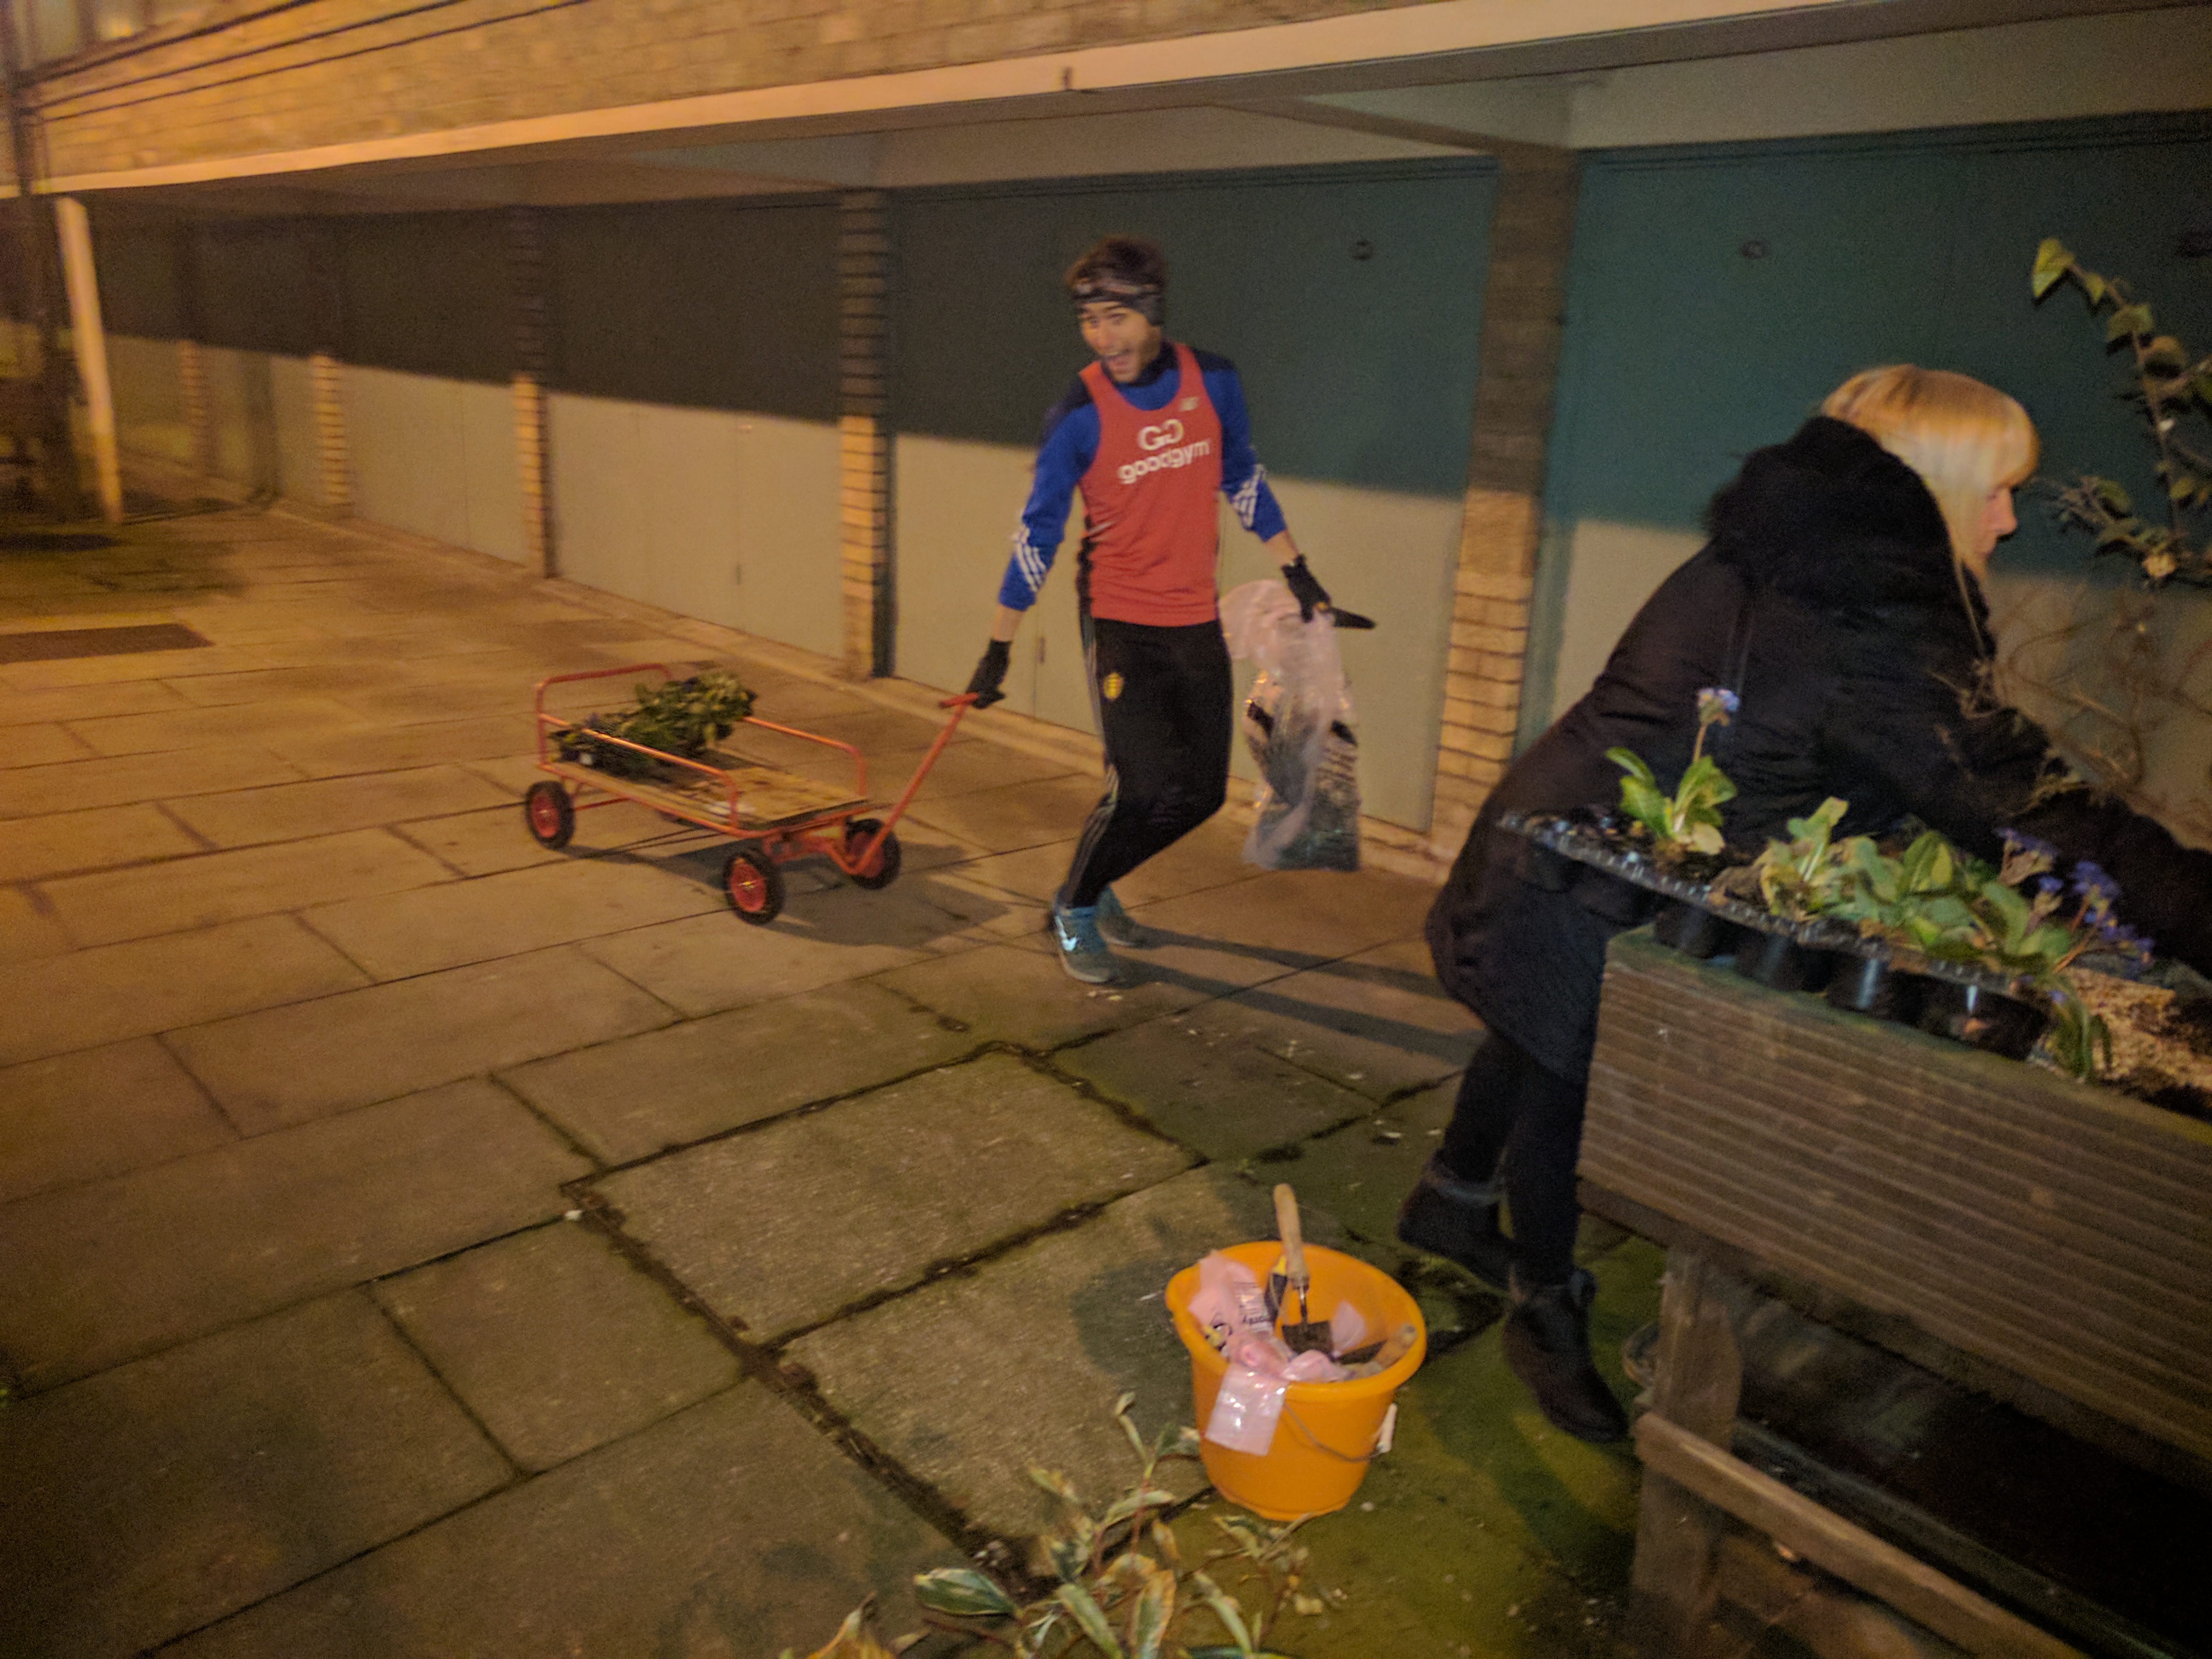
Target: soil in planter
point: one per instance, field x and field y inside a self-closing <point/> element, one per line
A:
<point x="2161" y="1041"/>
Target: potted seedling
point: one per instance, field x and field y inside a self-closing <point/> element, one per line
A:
<point x="676" y="717"/>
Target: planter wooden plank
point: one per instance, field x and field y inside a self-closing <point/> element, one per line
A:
<point x="2058" y="1230"/>
<point x="1829" y="1541"/>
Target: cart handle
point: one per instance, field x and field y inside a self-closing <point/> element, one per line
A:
<point x="959" y="706"/>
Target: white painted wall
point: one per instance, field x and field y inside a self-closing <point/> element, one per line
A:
<point x="1388" y="555"/>
<point x="1612" y="569"/>
<point x="436" y="457"/>
<point x="149" y="399"/>
<point x="729" y="517"/>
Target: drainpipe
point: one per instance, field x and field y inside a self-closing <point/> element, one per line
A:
<point x="82" y="280"/>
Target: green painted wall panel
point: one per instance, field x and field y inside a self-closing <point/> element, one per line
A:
<point x="1356" y="370"/>
<point x="427" y="294"/>
<point x="251" y="290"/>
<point x="712" y="305"/>
<point x="1682" y="354"/>
<point x="139" y="293"/>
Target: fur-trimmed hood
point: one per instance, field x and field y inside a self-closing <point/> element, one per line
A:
<point x="1835" y="520"/>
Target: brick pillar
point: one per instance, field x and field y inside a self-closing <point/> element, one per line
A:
<point x="326" y="375"/>
<point x="192" y="390"/>
<point x="863" y="441"/>
<point x="333" y="459"/>
<point x="525" y="263"/>
<point x="191" y="370"/>
<point x="1524" y="301"/>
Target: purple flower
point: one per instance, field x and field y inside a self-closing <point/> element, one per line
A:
<point x="2048" y="886"/>
<point x="2093" y="885"/>
<point x="2016" y="842"/>
<point x="1717" y="698"/>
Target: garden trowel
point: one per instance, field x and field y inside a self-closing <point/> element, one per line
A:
<point x="1289" y="1275"/>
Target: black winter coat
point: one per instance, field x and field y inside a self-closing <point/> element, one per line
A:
<point x="1828" y="599"/>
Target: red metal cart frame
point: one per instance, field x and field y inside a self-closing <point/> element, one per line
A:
<point x="775" y="817"/>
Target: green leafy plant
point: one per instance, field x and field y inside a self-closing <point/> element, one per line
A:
<point x="676" y="717"/>
<point x="1124" y="1589"/>
<point x="1933" y="899"/>
<point x="2175" y="392"/>
<point x="1806" y="874"/>
<point x="1689" y="820"/>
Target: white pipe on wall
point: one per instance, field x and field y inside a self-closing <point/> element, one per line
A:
<point x="83" y="282"/>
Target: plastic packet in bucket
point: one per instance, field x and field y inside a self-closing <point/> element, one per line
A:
<point x="1232" y="1309"/>
<point x="1298" y="722"/>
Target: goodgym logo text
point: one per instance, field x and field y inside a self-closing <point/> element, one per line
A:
<point x="1164" y="446"/>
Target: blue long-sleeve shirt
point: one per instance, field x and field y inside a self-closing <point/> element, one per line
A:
<point x="1071" y="444"/>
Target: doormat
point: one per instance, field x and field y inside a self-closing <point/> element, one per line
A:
<point x="54" y="541"/>
<point x="65" y="644"/>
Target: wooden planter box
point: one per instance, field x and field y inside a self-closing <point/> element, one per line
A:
<point x="2060" y="1231"/>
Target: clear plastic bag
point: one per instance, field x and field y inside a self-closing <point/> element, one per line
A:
<point x="1298" y="724"/>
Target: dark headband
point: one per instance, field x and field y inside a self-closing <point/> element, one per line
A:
<point x="1103" y="288"/>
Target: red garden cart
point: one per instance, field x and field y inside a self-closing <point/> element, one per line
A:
<point x="775" y="816"/>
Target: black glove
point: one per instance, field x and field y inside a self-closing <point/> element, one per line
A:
<point x="1312" y="596"/>
<point x="990" y="673"/>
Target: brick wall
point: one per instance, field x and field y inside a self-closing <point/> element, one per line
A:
<point x="330" y="72"/>
<point x="1523" y="312"/>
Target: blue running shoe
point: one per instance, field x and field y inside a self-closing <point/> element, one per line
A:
<point x="1118" y="926"/>
<point x="1082" y="953"/>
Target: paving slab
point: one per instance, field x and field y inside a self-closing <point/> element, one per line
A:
<point x="253" y="685"/>
<point x="486" y="738"/>
<point x="1211" y="856"/>
<point x="160" y="1496"/>
<point x="404" y="934"/>
<point x="227" y="886"/>
<point x="731" y="1531"/>
<point x="1221" y="1094"/>
<point x="1363" y="1171"/>
<point x="967" y="766"/>
<point x="41" y="745"/>
<point x="1015" y="816"/>
<point x="93" y="839"/>
<point x="492" y="839"/>
<point x="1018" y="993"/>
<point x="290" y="811"/>
<point x="290" y="1064"/>
<point x="968" y="1380"/>
<point x="103" y="1272"/>
<point x="34" y="790"/>
<point x="100" y="1112"/>
<point x="1490" y="1531"/>
<point x="555" y="1342"/>
<point x="28" y="929"/>
<point x="53" y="1005"/>
<point x="203" y="728"/>
<point x="1377" y="1023"/>
<point x="826" y="935"/>
<point x="638" y="1095"/>
<point x="779" y="1228"/>
<point x="77" y="702"/>
<point x="1302" y="917"/>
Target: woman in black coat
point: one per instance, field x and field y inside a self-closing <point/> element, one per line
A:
<point x="1840" y="598"/>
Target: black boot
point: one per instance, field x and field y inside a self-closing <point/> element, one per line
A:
<point x="1457" y="1220"/>
<point x="1548" y="1345"/>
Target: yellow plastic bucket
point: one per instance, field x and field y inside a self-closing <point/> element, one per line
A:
<point x="1328" y="1431"/>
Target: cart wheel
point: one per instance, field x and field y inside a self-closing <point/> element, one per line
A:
<point x="857" y="832"/>
<point x="549" y="814"/>
<point x="754" y="886"/>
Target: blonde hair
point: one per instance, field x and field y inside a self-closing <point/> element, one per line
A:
<point x="1963" y="438"/>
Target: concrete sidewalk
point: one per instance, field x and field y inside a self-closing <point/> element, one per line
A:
<point x="418" y="1242"/>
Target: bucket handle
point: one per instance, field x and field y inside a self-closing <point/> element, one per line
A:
<point x="1382" y="1437"/>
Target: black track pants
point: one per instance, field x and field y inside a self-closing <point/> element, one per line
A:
<point x="1162" y="698"/>
<point x="1512" y="1108"/>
